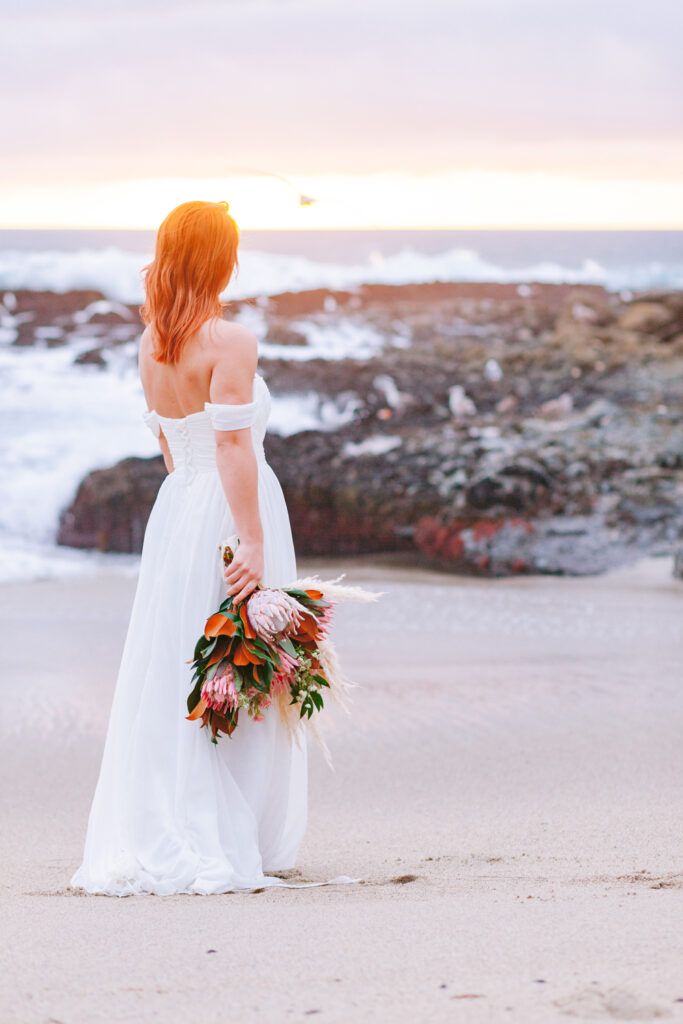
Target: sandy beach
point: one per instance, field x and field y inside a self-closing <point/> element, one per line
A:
<point x="508" y="787"/>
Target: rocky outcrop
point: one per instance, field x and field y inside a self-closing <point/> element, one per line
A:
<point x="497" y="429"/>
<point x="61" y="318"/>
<point x="112" y="506"/>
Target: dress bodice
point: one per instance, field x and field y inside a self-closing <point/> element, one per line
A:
<point x="191" y="439"/>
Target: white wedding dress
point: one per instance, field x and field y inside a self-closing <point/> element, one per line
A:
<point x="173" y="812"/>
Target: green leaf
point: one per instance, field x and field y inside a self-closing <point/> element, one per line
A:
<point x="317" y="699"/>
<point x="262" y="645"/>
<point x="199" y="648"/>
<point x="258" y="684"/>
<point x="264" y="675"/>
<point x="287" y="646"/>
<point x="211" y="672"/>
<point x="194" y="697"/>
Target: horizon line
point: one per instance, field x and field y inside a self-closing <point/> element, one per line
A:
<point x="312" y="229"/>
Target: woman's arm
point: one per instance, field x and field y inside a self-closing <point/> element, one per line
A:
<point x="232" y="383"/>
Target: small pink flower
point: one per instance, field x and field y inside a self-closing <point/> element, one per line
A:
<point x="280" y="683"/>
<point x="282" y="679"/>
<point x="289" y="664"/>
<point x="220" y="692"/>
<point x="257" y="712"/>
<point x="326" y="618"/>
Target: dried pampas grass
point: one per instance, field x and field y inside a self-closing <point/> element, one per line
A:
<point x="340" y="685"/>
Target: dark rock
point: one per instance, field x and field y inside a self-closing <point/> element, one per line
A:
<point x="678" y="564"/>
<point x="48" y="309"/>
<point x="334" y="506"/>
<point x="93" y="357"/>
<point x="297" y="304"/>
<point x="112" y="506"/>
<point x="112" y="318"/>
<point x="523" y="485"/>
<point x="281" y="335"/>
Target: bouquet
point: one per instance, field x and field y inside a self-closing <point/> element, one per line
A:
<point x="272" y="647"/>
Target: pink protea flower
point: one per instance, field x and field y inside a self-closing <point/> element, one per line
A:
<point x="272" y="613"/>
<point x="283" y="678"/>
<point x="325" y="619"/>
<point x="288" y="663"/>
<point x="220" y="692"/>
<point x="280" y="683"/>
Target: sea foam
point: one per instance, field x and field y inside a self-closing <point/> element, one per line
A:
<point x="116" y="272"/>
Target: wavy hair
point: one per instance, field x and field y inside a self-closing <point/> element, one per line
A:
<point x="194" y="258"/>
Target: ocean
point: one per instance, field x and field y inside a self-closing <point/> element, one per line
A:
<point x="59" y="420"/>
<point x="276" y="261"/>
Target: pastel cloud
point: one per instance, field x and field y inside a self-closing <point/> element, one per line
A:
<point x="149" y="89"/>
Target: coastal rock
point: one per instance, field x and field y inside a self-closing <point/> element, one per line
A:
<point x="112" y="506"/>
<point x="489" y="428"/>
<point x="557" y="408"/>
<point x="507" y="405"/>
<point x="678" y="564"/>
<point x="522" y="485"/>
<point x="646" y="317"/>
<point x="91" y="357"/>
<point x="282" y="335"/>
<point x="579" y="546"/>
<point x="338" y="505"/>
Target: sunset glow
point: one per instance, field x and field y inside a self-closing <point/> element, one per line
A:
<point x="476" y="199"/>
<point x="449" y="114"/>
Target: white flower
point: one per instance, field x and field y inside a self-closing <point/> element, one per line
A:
<point x="272" y="613"/>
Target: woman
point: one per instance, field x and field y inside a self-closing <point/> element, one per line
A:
<point x="172" y="812"/>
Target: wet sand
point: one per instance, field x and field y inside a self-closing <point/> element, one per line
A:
<point x="509" y="787"/>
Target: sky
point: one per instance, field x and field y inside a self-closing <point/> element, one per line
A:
<point x="437" y="113"/>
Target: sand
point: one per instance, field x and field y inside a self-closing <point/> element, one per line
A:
<point x="508" y="787"/>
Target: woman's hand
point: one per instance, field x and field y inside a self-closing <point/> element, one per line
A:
<point x="245" y="571"/>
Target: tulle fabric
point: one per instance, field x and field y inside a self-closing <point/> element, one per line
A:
<point x="172" y="812"/>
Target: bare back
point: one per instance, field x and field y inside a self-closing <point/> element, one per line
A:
<point x="216" y="365"/>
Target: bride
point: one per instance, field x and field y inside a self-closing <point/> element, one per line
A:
<point x="172" y="812"/>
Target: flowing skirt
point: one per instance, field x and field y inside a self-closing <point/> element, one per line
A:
<point x="173" y="812"/>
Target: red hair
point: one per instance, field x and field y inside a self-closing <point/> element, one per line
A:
<point x="194" y="258"/>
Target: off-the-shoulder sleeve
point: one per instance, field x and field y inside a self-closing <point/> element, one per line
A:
<point x="231" y="417"/>
<point x="152" y="421"/>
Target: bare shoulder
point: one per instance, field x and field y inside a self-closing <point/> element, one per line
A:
<point x="234" y="356"/>
<point x="230" y="339"/>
